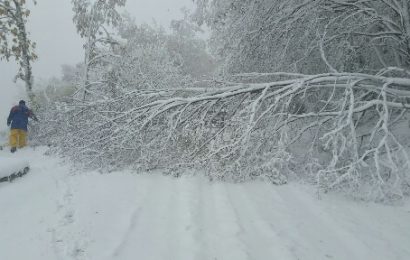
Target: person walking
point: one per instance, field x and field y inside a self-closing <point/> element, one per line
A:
<point x="18" y="120"/>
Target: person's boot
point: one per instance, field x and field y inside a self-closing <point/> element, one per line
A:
<point x="13" y="149"/>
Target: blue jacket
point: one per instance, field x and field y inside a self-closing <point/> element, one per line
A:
<point x="18" y="117"/>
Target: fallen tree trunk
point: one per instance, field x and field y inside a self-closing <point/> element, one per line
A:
<point x="12" y="168"/>
<point x="15" y="175"/>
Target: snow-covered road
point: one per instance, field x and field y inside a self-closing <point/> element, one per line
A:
<point x="53" y="214"/>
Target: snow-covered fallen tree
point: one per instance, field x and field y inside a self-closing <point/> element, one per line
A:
<point x="340" y="130"/>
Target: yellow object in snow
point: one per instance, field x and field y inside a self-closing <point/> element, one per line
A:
<point x="18" y="138"/>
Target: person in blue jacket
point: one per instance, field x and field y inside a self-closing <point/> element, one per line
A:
<point x="18" y="120"/>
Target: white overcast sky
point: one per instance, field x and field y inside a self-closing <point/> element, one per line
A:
<point x="51" y="27"/>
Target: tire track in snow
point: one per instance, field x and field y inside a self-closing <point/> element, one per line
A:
<point x="199" y="212"/>
<point x="221" y="227"/>
<point x="299" y="215"/>
<point x="147" y="237"/>
<point x="54" y="240"/>
<point x="280" y="216"/>
<point x="262" y="241"/>
<point x="356" y="245"/>
<point x="133" y="222"/>
<point x="66" y="237"/>
<point x="183" y="219"/>
<point x="314" y="216"/>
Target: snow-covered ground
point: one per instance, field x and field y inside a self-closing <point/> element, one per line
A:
<point x="54" y="214"/>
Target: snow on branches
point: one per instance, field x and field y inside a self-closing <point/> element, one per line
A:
<point x="293" y="35"/>
<point x="341" y="130"/>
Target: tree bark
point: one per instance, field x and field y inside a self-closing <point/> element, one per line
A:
<point x="26" y="58"/>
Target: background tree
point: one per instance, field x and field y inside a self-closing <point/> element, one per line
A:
<point x="377" y="32"/>
<point x="308" y="36"/>
<point x="190" y="51"/>
<point x="15" y="41"/>
<point x="93" y="20"/>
